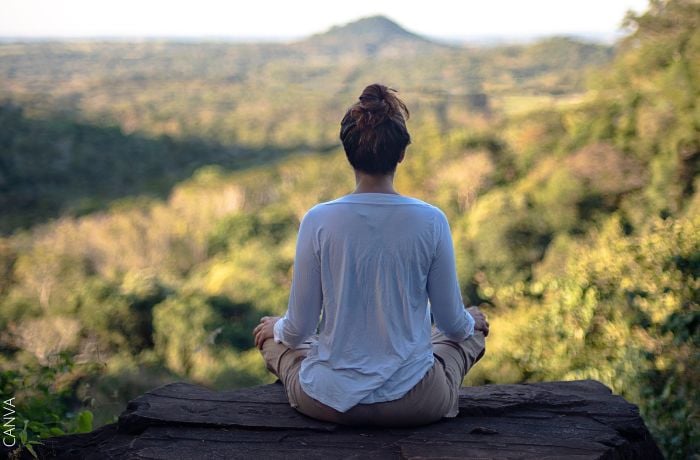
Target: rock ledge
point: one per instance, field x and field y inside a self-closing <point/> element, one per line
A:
<point x="576" y="419"/>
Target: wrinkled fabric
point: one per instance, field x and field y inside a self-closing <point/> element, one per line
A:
<point x="434" y="397"/>
<point x="369" y="270"/>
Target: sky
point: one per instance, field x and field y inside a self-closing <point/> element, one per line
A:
<point x="288" y="20"/>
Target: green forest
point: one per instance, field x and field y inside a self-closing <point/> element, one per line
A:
<point x="151" y="192"/>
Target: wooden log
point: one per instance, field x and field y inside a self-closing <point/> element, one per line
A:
<point x="577" y="420"/>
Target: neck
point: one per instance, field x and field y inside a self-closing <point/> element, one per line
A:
<point x="367" y="183"/>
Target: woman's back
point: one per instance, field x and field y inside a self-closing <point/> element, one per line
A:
<point x="373" y="259"/>
<point x="366" y="266"/>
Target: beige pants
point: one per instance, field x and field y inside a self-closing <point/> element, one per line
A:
<point x="434" y="397"/>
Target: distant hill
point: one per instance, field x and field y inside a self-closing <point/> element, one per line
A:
<point x="371" y="36"/>
<point x="104" y="120"/>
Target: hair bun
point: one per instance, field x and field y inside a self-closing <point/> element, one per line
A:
<point x="373" y="130"/>
<point x="376" y="104"/>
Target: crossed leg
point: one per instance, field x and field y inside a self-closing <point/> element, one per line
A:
<point x="434" y="397"/>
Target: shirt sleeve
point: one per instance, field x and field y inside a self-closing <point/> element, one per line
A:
<point x="305" y="298"/>
<point x="444" y="294"/>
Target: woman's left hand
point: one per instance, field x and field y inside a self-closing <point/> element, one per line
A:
<point x="265" y="330"/>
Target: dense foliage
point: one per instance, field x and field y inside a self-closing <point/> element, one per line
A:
<point x="111" y="120"/>
<point x="178" y="178"/>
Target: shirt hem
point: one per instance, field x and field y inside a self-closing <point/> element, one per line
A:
<point x="379" y="399"/>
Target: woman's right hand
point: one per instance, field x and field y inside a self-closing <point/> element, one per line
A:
<point x="481" y="324"/>
<point x="265" y="330"/>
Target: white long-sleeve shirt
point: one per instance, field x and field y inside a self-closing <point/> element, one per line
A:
<point x="366" y="266"/>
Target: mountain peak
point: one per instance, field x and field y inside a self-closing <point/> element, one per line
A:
<point x="369" y="34"/>
<point x="371" y="25"/>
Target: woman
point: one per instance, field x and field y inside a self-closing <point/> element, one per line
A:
<point x="366" y="266"/>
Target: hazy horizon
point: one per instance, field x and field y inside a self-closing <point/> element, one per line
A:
<point x="474" y="40"/>
<point x="212" y="20"/>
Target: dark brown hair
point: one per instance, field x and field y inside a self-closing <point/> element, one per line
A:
<point x="373" y="130"/>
